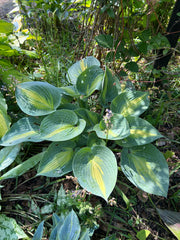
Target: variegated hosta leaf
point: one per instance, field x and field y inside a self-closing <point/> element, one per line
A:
<point x="39" y="232"/>
<point x="8" y="155"/>
<point x="70" y="91"/>
<point x="141" y="133"/>
<point x="58" y="160"/>
<point x="77" y="68"/>
<point x="111" y="88"/>
<point x="61" y="125"/>
<point x="24" y="130"/>
<point x="130" y="103"/>
<point x="90" y="80"/>
<point x="172" y="221"/>
<point x="23" y="167"/>
<point x="116" y="128"/>
<point x="37" y="98"/>
<point x="146" y="167"/>
<point x="70" y="228"/>
<point x="4" y="118"/>
<point x="96" y="170"/>
<point x="91" y="118"/>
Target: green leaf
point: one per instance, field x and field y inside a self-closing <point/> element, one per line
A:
<point x="6" y="27"/>
<point x="132" y="66"/>
<point x="25" y="130"/>
<point x="141" y="133"/>
<point x="146" y="167"/>
<point x="9" y="229"/>
<point x="37" y="98"/>
<point x="130" y="103"/>
<point x="23" y="167"/>
<point x="10" y="76"/>
<point x="143" y="234"/>
<point x="71" y="228"/>
<point x="57" y="161"/>
<point x="91" y="118"/>
<point x="4" y="118"/>
<point x="96" y="170"/>
<point x="118" y="128"/>
<point x="39" y="232"/>
<point x="61" y="125"/>
<point x="70" y="91"/>
<point x="111" y="88"/>
<point x="104" y="40"/>
<point x="93" y="139"/>
<point x="142" y="47"/>
<point x="77" y="68"/>
<point x="90" y="80"/>
<point x="171" y="220"/>
<point x="8" y="155"/>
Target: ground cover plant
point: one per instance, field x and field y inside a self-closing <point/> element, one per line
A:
<point x="79" y="143"/>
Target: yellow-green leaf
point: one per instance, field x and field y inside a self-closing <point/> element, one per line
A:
<point x="130" y="103"/>
<point x="141" y="133"/>
<point x="58" y="160"/>
<point x="146" y="167"/>
<point x="96" y="170"/>
<point x="37" y="98"/>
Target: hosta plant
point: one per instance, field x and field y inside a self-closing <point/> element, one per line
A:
<point x="83" y="123"/>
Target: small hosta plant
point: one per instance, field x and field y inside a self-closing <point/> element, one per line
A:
<point x="82" y="122"/>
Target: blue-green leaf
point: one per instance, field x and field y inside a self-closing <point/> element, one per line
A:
<point x="96" y="170"/>
<point x="114" y="128"/>
<point x="146" y="167"/>
<point x="39" y="232"/>
<point x="23" y="167"/>
<point x="25" y="130"/>
<point x="58" y="160"/>
<point x="77" y="68"/>
<point x="37" y="98"/>
<point x="8" y="155"/>
<point x="71" y="228"/>
<point x="61" y="125"/>
<point x="91" y="118"/>
<point x="111" y="88"/>
<point x="141" y="133"/>
<point x="90" y="80"/>
<point x="171" y="220"/>
<point x="130" y="103"/>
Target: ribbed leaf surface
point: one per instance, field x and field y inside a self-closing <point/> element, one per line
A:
<point x="130" y="103"/>
<point x="146" y="167"/>
<point x="118" y="128"/>
<point x="8" y="155"/>
<point x="57" y="161"/>
<point x="77" y="68"/>
<point x="37" y="98"/>
<point x="90" y="80"/>
<point x="61" y="125"/>
<point x="96" y="170"/>
<point x="141" y="133"/>
<point x="24" y="130"/>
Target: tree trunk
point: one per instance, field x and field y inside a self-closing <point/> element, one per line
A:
<point x="173" y="33"/>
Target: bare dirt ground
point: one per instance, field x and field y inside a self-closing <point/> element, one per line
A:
<point x="5" y="7"/>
